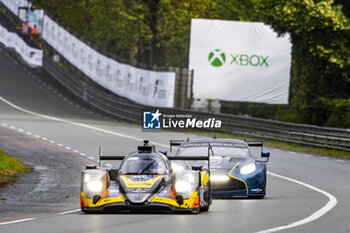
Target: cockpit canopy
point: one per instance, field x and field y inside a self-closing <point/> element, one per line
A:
<point x="143" y="164"/>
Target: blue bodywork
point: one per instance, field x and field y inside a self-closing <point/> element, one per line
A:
<point x="252" y="184"/>
<point x="255" y="182"/>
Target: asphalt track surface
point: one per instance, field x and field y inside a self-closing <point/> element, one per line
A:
<point x="56" y="134"/>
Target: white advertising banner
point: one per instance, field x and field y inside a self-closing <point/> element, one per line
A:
<point x="13" y="5"/>
<point x="239" y="61"/>
<point x="147" y="87"/>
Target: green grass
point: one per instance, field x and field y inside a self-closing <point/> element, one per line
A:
<point x="277" y="144"/>
<point x="9" y="167"/>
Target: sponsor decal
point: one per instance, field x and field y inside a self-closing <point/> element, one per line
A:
<point x="157" y="120"/>
<point x="217" y="58"/>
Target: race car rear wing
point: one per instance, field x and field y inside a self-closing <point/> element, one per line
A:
<point x="263" y="154"/>
<point x="175" y="143"/>
<point x="120" y="157"/>
<point x="188" y="157"/>
<point x="255" y="144"/>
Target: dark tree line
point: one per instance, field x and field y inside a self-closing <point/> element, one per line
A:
<point x="156" y="32"/>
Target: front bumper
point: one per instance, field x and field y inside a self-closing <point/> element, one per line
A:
<point x="240" y="185"/>
<point x="147" y="207"/>
<point x="156" y="203"/>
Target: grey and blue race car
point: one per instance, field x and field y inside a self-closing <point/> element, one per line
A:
<point x="234" y="170"/>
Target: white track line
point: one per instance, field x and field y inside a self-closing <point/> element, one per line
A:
<point x="17" y="221"/>
<point x="69" y="212"/>
<point x="51" y="141"/>
<point x="77" y="123"/>
<point x="330" y="204"/>
<point x="332" y="201"/>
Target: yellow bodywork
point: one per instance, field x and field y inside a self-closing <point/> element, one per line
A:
<point x="88" y="202"/>
<point x="191" y="202"/>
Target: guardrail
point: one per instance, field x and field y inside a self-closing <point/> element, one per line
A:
<point x="309" y="135"/>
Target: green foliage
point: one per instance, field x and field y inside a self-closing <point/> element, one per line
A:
<point x="320" y="33"/>
<point x="323" y="27"/>
<point x="8" y="167"/>
<point x="174" y="26"/>
<point x="157" y="32"/>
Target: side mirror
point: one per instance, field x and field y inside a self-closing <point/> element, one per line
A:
<point x="197" y="168"/>
<point x="164" y="152"/>
<point x="265" y="154"/>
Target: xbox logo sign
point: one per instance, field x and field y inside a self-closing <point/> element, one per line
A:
<point x="217" y="58"/>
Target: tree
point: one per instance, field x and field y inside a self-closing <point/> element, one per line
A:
<point x="320" y="33"/>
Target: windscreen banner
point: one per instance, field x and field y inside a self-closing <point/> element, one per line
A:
<point x="239" y="61"/>
<point x="153" y="88"/>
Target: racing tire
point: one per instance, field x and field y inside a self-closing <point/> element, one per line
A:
<point x="195" y="210"/>
<point x="257" y="196"/>
<point x="205" y="208"/>
<point x="208" y="199"/>
<point x="86" y="211"/>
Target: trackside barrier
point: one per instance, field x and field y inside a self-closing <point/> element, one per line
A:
<point x="11" y="38"/>
<point x="31" y="55"/>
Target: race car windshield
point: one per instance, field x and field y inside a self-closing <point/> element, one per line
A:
<point x="219" y="149"/>
<point x="143" y="165"/>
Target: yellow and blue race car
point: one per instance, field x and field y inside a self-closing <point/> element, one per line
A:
<point x="145" y="180"/>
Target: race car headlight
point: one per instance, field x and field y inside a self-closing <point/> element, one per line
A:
<point x="182" y="186"/>
<point x="248" y="168"/>
<point x="93" y="183"/>
<point x="186" y="185"/>
<point x="95" y="186"/>
<point x="219" y="178"/>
